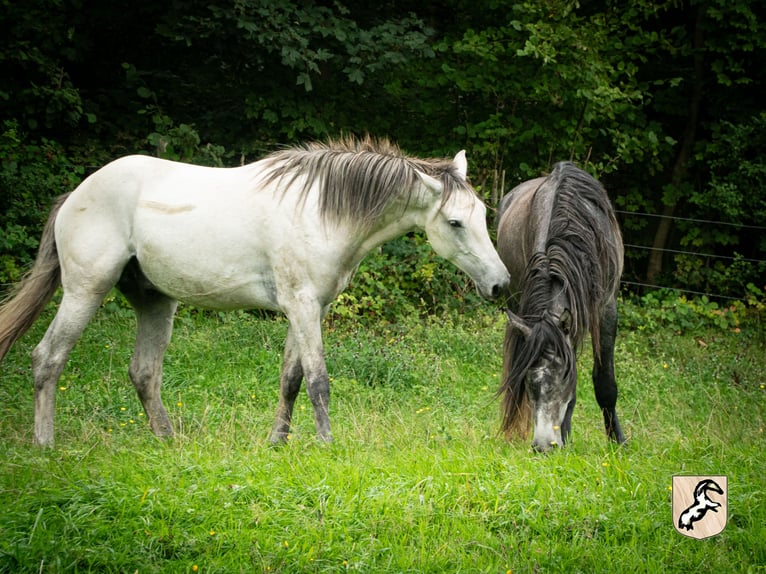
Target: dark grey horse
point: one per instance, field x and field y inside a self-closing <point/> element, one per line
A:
<point x="559" y="239"/>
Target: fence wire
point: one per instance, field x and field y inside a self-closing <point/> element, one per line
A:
<point x="689" y="253"/>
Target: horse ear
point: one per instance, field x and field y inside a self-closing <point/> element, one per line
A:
<point x="519" y="323"/>
<point x="430" y="182"/>
<point x="462" y="164"/>
<point x="565" y="321"/>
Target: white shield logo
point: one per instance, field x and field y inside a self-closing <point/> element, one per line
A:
<point x="700" y="505"/>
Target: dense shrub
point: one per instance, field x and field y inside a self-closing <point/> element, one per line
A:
<point x="31" y="175"/>
<point x="670" y="310"/>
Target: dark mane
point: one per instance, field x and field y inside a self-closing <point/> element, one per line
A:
<point x="357" y="177"/>
<point x="583" y="261"/>
<point x="584" y="246"/>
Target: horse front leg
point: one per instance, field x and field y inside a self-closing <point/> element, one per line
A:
<point x="289" y="386"/>
<point x="304" y="355"/>
<point x="604" y="383"/>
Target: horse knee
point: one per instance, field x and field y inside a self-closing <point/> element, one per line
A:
<point x="605" y="387"/>
<point x="140" y="379"/>
<point x="46" y="368"/>
<point x="319" y="391"/>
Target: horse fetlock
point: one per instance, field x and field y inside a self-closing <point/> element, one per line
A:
<point x="44" y="432"/>
<point x="325" y="436"/>
<point x="280" y="432"/>
<point x="161" y="427"/>
<point x="613" y="428"/>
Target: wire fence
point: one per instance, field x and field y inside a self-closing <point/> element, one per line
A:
<point x="645" y="248"/>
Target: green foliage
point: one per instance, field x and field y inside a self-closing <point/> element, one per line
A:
<point x="300" y="71"/>
<point x="544" y="82"/>
<point x="405" y="277"/>
<point x="36" y="86"/>
<point x="736" y="166"/>
<point x="519" y="86"/>
<point x="667" y="310"/>
<point x="32" y="174"/>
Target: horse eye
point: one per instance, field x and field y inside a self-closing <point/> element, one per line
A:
<point x="457" y="224"/>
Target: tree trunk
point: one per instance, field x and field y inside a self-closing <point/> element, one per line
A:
<point x="654" y="267"/>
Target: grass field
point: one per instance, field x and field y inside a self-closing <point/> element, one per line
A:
<point x="417" y="480"/>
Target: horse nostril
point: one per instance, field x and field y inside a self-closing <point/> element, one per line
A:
<point x="495" y="291"/>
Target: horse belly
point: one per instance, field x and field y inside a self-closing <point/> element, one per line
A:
<point x="217" y="267"/>
<point x="211" y="287"/>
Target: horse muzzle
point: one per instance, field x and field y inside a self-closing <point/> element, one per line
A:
<point x="547" y="435"/>
<point x="494" y="288"/>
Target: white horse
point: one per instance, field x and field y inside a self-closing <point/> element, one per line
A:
<point x="285" y="233"/>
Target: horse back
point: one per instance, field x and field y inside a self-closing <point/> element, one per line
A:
<point x="517" y="229"/>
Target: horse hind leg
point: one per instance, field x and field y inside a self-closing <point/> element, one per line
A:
<point x="604" y="383"/>
<point x="50" y="356"/>
<point x="154" y="314"/>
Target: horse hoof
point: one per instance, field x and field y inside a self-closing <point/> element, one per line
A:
<point x="621" y="441"/>
<point x="163" y="431"/>
<point x="278" y="438"/>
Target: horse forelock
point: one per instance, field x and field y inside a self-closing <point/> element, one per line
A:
<point x="521" y="354"/>
<point x="357" y="178"/>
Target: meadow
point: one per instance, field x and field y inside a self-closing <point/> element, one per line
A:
<point x="418" y="478"/>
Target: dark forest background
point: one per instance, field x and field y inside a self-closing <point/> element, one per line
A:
<point x="661" y="100"/>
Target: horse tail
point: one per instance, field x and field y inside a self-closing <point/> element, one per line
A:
<point x="27" y="300"/>
<point x="515" y="404"/>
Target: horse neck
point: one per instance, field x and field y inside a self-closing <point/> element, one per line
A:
<point x="399" y="219"/>
<point x="542" y="209"/>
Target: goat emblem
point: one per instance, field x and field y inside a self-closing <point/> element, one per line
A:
<point x="695" y="513"/>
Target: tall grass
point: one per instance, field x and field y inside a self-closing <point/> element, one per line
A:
<point x="417" y="480"/>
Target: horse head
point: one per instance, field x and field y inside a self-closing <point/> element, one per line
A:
<point x="542" y="375"/>
<point x="456" y="226"/>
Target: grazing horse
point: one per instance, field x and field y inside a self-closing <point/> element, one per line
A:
<point x="559" y="238"/>
<point x="284" y="233"/>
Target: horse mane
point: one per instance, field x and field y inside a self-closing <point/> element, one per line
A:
<point x="584" y="247"/>
<point x="357" y="176"/>
<point x="583" y="258"/>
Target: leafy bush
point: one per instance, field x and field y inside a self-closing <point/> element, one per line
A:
<point x="666" y="309"/>
<point x="404" y="277"/>
<point x="31" y="175"/>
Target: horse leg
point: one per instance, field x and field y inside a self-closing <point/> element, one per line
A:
<point x="289" y="385"/>
<point x="154" y="317"/>
<point x="50" y="356"/>
<point x="154" y="313"/>
<point x="304" y="354"/>
<point x="604" y="382"/>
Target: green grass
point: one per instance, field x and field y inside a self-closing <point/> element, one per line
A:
<point x="417" y="480"/>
